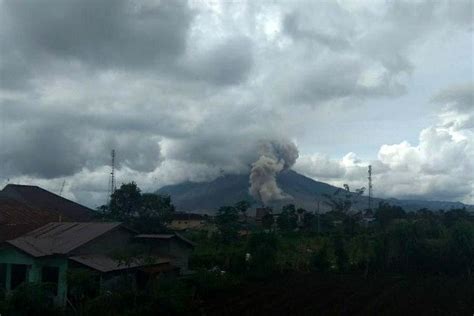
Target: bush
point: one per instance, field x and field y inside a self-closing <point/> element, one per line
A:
<point x="30" y="299"/>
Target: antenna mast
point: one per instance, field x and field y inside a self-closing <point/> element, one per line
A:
<point x="370" y="187"/>
<point x="112" y="173"/>
<point x="62" y="188"/>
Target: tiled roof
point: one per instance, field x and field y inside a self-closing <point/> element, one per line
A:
<point x="105" y="263"/>
<point x="60" y="238"/>
<point x="42" y="199"/>
<point x="17" y="218"/>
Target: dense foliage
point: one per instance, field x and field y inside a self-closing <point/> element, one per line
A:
<point x="145" y="212"/>
<point x="395" y="252"/>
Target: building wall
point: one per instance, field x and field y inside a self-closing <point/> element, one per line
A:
<point x="10" y="256"/>
<point x="172" y="248"/>
<point x="186" y="224"/>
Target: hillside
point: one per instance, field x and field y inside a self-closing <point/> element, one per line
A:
<point x="206" y="197"/>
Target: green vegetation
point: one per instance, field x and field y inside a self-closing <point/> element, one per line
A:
<point x="328" y="263"/>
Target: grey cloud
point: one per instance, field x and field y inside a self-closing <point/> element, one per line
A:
<point x="105" y="34"/>
<point x="459" y="98"/>
<point x="292" y="27"/>
<point x="89" y="76"/>
<point x="227" y="63"/>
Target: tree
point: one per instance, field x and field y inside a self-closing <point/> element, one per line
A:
<point x="386" y="213"/>
<point x="287" y="220"/>
<point x="227" y="223"/>
<point x="342" y="200"/>
<point x="156" y="211"/>
<point x="461" y="245"/>
<point x="268" y="221"/>
<point x="126" y="201"/>
<point x="242" y="207"/>
<point x="147" y="213"/>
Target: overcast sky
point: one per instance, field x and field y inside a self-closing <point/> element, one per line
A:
<point x="186" y="90"/>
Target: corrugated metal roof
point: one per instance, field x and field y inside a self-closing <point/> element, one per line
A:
<point x="166" y="237"/>
<point x="60" y="238"/>
<point x="105" y="263"/>
<point x="17" y="218"/>
<point x="40" y="198"/>
<point x="155" y="236"/>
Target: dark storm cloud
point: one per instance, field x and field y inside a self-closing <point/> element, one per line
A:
<point x="227" y="63"/>
<point x="104" y="33"/>
<point x="41" y="38"/>
<point x="51" y="150"/>
<point x="184" y="89"/>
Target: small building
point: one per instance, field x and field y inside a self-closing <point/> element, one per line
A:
<point x="260" y="213"/>
<point x="49" y="252"/>
<point x="184" y="221"/>
<point x="176" y="247"/>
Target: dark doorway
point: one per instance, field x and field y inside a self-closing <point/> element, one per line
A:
<point x="50" y="276"/>
<point x="19" y="275"/>
<point x="3" y="275"/>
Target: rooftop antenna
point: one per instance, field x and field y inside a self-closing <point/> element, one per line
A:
<point x="370" y="187"/>
<point x="112" y="173"/>
<point x="62" y="188"/>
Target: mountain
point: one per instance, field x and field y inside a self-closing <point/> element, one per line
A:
<point x="206" y="197"/>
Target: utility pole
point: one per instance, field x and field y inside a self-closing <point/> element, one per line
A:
<point x="370" y="187"/>
<point x="112" y="173"/>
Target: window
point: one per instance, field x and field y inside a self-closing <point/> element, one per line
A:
<point x="50" y="275"/>
<point x="19" y="275"/>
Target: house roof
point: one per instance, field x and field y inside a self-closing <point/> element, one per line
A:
<point x="105" y="263"/>
<point x="39" y="198"/>
<point x="17" y="218"/>
<point x="167" y="237"/>
<point x="181" y="216"/>
<point x="60" y="238"/>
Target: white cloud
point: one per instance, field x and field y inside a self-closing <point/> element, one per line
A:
<point x="439" y="167"/>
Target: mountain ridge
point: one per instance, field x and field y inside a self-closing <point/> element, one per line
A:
<point x="207" y="197"/>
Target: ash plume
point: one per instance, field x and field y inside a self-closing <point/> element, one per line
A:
<point x="275" y="156"/>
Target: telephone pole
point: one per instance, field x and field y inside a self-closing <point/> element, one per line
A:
<point x="112" y="173"/>
<point x="370" y="187"/>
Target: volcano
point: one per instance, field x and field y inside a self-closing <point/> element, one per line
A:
<point x="207" y="197"/>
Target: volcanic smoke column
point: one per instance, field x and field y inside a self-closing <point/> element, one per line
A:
<point x="275" y="156"/>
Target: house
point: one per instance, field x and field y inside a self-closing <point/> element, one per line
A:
<point x="49" y="252"/>
<point x="17" y="218"/>
<point x="39" y="198"/>
<point x="176" y="247"/>
<point x="183" y="221"/>
<point x="24" y="208"/>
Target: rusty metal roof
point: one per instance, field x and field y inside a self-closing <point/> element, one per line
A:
<point x="60" y="238"/>
<point x="17" y="218"/>
<point x="105" y="263"/>
<point x="40" y="198"/>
